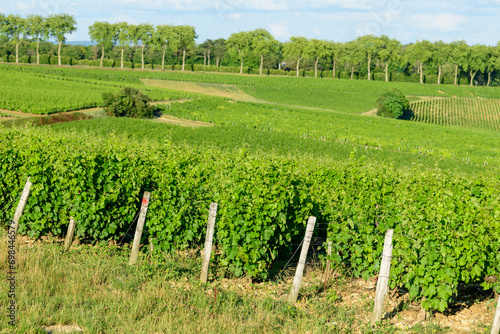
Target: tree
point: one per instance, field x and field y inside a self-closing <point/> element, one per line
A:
<point x="59" y="26"/>
<point x="14" y="27"/>
<point x="220" y="49"/>
<point x="206" y="47"/>
<point x="493" y="61"/>
<point x="128" y="102"/>
<point x="38" y="28"/>
<point x="165" y="36"/>
<point x="184" y="37"/>
<point x="105" y="34"/>
<point x="353" y="55"/>
<point x="393" y="105"/>
<point x="458" y="55"/>
<point x="239" y="44"/>
<point x="369" y="46"/>
<point x="296" y="49"/>
<point x="390" y="52"/>
<point x="317" y="49"/>
<point x="335" y="50"/>
<point x="123" y="37"/>
<point x="441" y="56"/>
<point x="144" y="33"/>
<point x="420" y="53"/>
<point x="263" y="44"/>
<point x="476" y="61"/>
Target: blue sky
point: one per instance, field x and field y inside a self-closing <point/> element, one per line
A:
<point x="338" y="20"/>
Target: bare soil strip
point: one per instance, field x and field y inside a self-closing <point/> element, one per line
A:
<point x="220" y="90"/>
<point x="182" y="122"/>
<point x="227" y="91"/>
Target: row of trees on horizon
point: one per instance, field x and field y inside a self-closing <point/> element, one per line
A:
<point x="258" y="48"/>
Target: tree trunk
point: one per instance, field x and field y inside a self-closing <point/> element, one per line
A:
<point x="183" y="59"/>
<point x="316" y="67"/>
<point x="102" y="56"/>
<point x="217" y="61"/>
<point x="17" y="52"/>
<point x="439" y="74"/>
<point x="204" y="59"/>
<point x="241" y="66"/>
<point x="123" y="48"/>
<point x="37" y="53"/>
<point x="261" y="63"/>
<point x="208" y="57"/>
<point x="421" y="73"/>
<point x="298" y="66"/>
<point x="142" y="55"/>
<point x="489" y="79"/>
<point x="456" y="75"/>
<point x="369" y="68"/>
<point x="59" y="53"/>
<point x="387" y="72"/>
<point x="163" y="58"/>
<point x="334" y="67"/>
<point x="352" y="71"/>
<point x="472" y="75"/>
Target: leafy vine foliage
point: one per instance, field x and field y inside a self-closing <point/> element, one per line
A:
<point x="446" y="225"/>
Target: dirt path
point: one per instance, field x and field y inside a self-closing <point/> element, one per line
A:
<point x="227" y="91"/>
<point x="372" y="112"/>
<point x="182" y="122"/>
<point x="220" y="90"/>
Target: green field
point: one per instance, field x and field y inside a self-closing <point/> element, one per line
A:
<point x="463" y="112"/>
<point x="269" y="165"/>
<point x="351" y="96"/>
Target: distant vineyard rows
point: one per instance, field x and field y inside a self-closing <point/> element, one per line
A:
<point x="464" y="112"/>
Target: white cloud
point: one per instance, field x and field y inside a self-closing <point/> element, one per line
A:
<point x="443" y="22"/>
<point x="317" y="32"/>
<point x="235" y="16"/>
<point x="219" y="5"/>
<point x="279" y="30"/>
<point x="350" y="4"/>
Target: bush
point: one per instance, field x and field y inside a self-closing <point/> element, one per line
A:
<point x="129" y="102"/>
<point x="393" y="105"/>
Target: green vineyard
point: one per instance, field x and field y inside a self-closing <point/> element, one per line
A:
<point x="478" y="112"/>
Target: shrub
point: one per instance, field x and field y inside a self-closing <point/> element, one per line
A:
<point x="393" y="105"/>
<point x="129" y="102"/>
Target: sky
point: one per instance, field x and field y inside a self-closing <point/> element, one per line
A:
<point x="477" y="22"/>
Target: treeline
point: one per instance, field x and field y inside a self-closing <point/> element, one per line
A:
<point x="148" y="46"/>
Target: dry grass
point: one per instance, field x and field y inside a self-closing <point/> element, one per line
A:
<point x="92" y="289"/>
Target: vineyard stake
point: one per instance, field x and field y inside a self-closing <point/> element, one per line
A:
<point x="294" y="293"/>
<point x="495" y="327"/>
<point x="21" y="205"/>
<point x="328" y="265"/>
<point x="328" y="262"/>
<point x="383" y="278"/>
<point x="208" y="242"/>
<point x="140" y="226"/>
<point x="71" y="231"/>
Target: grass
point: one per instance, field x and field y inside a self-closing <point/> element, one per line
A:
<point x="318" y="134"/>
<point x="94" y="288"/>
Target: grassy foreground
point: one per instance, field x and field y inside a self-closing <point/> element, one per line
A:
<point x="92" y="289"/>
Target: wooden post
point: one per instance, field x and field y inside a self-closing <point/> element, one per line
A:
<point x="383" y="278"/>
<point x="495" y="327"/>
<point x="302" y="261"/>
<point x="71" y="231"/>
<point x="140" y="226"/>
<point x="21" y="205"/>
<point x="328" y="262"/>
<point x="208" y="242"/>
